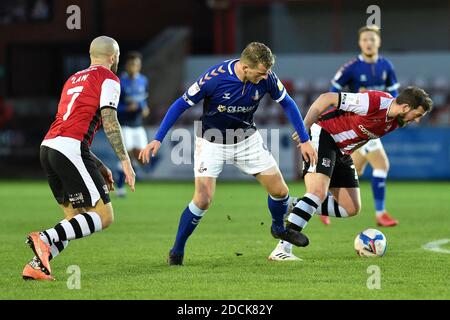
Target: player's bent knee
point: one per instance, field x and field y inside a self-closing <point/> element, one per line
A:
<point x="106" y="213"/>
<point x="353" y="211"/>
<point x="107" y="221"/>
<point x="282" y="192"/>
<point x="203" y="203"/>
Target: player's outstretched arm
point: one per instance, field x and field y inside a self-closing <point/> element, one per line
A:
<point x="294" y="116"/>
<point x="174" y="112"/>
<point x="113" y="132"/>
<point x="319" y="106"/>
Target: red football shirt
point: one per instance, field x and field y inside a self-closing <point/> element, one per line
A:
<point x="358" y="118"/>
<point x="82" y="97"/>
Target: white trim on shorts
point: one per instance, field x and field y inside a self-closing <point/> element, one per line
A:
<point x="315" y="137"/>
<point x="71" y="149"/>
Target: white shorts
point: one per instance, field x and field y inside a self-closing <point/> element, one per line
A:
<point x="134" y="138"/>
<point x="251" y="156"/>
<point x="372" y="145"/>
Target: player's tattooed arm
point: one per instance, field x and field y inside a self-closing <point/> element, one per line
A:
<point x="113" y="132"/>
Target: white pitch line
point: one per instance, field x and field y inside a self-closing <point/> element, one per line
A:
<point x="435" y="246"/>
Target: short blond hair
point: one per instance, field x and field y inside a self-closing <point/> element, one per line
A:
<point x="373" y="28"/>
<point x="256" y="53"/>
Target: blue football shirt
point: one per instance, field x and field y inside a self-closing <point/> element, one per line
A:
<point x="133" y="90"/>
<point x="229" y="103"/>
<point x="359" y="75"/>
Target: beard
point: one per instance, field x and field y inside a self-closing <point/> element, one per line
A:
<point x="401" y="121"/>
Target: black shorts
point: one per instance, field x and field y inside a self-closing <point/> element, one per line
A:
<point x="73" y="176"/>
<point x="331" y="162"/>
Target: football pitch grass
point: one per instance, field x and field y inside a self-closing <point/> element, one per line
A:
<point x="226" y="258"/>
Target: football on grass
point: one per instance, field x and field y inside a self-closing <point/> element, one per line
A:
<point x="370" y="243"/>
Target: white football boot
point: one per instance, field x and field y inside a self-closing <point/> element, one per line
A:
<point x="283" y="252"/>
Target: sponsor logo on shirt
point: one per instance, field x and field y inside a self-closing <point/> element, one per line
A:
<point x="367" y="132"/>
<point x="236" y="109"/>
<point x="221" y="108"/>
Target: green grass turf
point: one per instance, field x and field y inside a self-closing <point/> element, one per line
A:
<point x="128" y="261"/>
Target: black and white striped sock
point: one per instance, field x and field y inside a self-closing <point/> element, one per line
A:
<point x="57" y="248"/>
<point x="82" y="225"/>
<point x="331" y="208"/>
<point x="303" y="211"/>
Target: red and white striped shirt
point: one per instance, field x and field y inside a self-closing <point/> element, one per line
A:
<point x="82" y="97"/>
<point x="358" y="118"/>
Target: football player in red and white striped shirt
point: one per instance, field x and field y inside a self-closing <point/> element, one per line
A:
<point x="80" y="182"/>
<point x="356" y="118"/>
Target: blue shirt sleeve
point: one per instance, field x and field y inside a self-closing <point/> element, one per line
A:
<point x="392" y="84"/>
<point x="341" y="78"/>
<point x="203" y="87"/>
<point x="276" y="88"/>
<point x="200" y="89"/>
<point x="279" y="94"/>
<point x="295" y="118"/>
<point x="172" y="115"/>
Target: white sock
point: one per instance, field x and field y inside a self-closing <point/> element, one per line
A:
<point x="286" y="246"/>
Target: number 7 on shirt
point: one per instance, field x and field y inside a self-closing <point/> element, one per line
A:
<point x="76" y="92"/>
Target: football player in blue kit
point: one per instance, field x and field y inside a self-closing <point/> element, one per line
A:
<point x="132" y="111"/>
<point x="231" y="92"/>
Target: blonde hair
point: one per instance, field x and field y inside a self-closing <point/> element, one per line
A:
<point x="373" y="28"/>
<point x="257" y="52"/>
